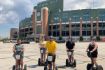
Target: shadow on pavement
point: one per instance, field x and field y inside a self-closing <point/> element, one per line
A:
<point x="33" y="66"/>
<point x="63" y="66"/>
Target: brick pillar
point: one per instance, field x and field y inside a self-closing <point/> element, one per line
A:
<point x="52" y="27"/>
<point x="91" y="22"/>
<point x="34" y="23"/>
<point x="44" y="20"/>
<point x="97" y="26"/>
<point x="81" y="26"/>
<point x="70" y="27"/>
<point x="60" y="27"/>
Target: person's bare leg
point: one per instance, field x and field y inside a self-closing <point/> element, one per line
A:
<point x="91" y="61"/>
<point x="72" y="58"/>
<point x="94" y="61"/>
<point x="44" y="57"/>
<point x="53" y="65"/>
<point x="48" y="66"/>
<point x="42" y="60"/>
<point x="21" y="64"/>
<point x="68" y="57"/>
<point x="17" y="63"/>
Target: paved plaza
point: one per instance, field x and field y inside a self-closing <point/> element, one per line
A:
<point x="32" y="54"/>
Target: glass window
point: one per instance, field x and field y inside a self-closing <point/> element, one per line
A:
<point x="100" y="24"/>
<point x="88" y="33"/>
<point x="77" y="25"/>
<point x="49" y="33"/>
<point x="63" y="33"/>
<point x="77" y="33"/>
<point x="86" y="17"/>
<point x="84" y="33"/>
<point x="88" y="25"/>
<point x="49" y="28"/>
<point x="101" y="32"/>
<point x="57" y="32"/>
<point x="83" y="25"/>
<point x="103" y="24"/>
<point x="54" y="33"/>
<point x="94" y="24"/>
<point x="54" y="27"/>
<point x="94" y="33"/>
<point x="67" y="33"/>
<point x="73" y="33"/>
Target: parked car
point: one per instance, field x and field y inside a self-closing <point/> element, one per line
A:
<point x="60" y="40"/>
<point x="25" y="42"/>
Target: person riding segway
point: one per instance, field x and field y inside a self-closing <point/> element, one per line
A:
<point x="92" y="53"/>
<point x="41" y="61"/>
<point x="18" y="53"/>
<point x="51" y="54"/>
<point x="70" y="50"/>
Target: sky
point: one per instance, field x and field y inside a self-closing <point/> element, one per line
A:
<point x="13" y="11"/>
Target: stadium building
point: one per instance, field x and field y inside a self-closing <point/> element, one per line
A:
<point x="14" y="33"/>
<point x="84" y="23"/>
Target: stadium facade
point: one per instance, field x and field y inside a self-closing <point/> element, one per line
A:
<point x="14" y="33"/>
<point x="84" y="23"/>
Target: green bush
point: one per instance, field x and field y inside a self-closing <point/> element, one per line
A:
<point x="81" y="38"/>
<point x="60" y="38"/>
<point x="91" y="37"/>
<point x="98" y="38"/>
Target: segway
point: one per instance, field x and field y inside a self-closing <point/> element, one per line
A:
<point x="18" y="56"/>
<point x="91" y="66"/>
<point x="49" y="61"/>
<point x="69" y="61"/>
<point x="41" y="61"/>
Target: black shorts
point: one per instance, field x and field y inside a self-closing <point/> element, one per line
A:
<point x="94" y="55"/>
<point x="44" y="50"/>
<point x="54" y="57"/>
<point x="70" y="50"/>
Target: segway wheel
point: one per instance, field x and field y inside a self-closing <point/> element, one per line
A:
<point x="25" y="67"/>
<point x="74" y="64"/>
<point x="46" y="62"/>
<point x="39" y="61"/>
<point x="89" y="66"/>
<point x="45" y="68"/>
<point x="99" y="67"/>
<point x="13" y="67"/>
<point x="67" y="63"/>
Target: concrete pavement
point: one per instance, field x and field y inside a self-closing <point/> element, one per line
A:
<point x="32" y="54"/>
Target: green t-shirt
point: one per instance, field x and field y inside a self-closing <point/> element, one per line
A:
<point x="18" y="47"/>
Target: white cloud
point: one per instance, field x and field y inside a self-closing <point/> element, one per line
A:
<point x="83" y="4"/>
<point x="12" y="11"/>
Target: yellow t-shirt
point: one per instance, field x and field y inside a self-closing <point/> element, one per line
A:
<point x="51" y="47"/>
